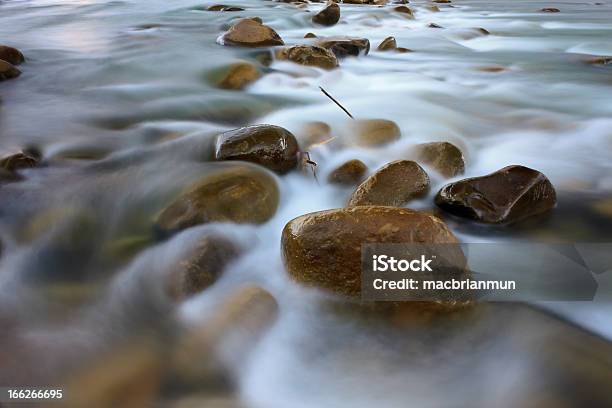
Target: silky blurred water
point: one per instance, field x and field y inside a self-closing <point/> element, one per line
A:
<point x="129" y="80"/>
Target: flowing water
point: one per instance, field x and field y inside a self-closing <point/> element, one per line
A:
<point x="127" y="85"/>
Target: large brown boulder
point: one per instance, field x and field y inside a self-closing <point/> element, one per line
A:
<point x="329" y="16"/>
<point x="271" y="146"/>
<point x="323" y="249"/>
<point x="242" y="194"/>
<point x="309" y="55"/>
<point x="395" y="184"/>
<point x="251" y="33"/>
<point x="11" y="55"/>
<point x="8" y="71"/>
<point x="445" y="157"/>
<point x="345" y="46"/>
<point x="505" y="196"/>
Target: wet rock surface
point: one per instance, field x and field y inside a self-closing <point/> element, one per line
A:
<point x="11" y="55"/>
<point x="445" y="157"/>
<point x="8" y="71"/>
<point x="395" y="184"/>
<point x="323" y="249"/>
<point x="505" y="196"/>
<point x="309" y="55"/>
<point x="251" y="33"/>
<point x="240" y="194"/>
<point x="329" y="16"/>
<point x="349" y="173"/>
<point x="239" y="75"/>
<point x="387" y="44"/>
<point x="270" y="146"/>
<point x="203" y="265"/>
<point x="345" y="46"/>
<point x="18" y="160"/>
<point x="373" y="132"/>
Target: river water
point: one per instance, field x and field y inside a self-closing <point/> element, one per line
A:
<point x="126" y="82"/>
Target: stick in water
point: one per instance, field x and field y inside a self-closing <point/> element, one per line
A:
<point x="336" y="102"/>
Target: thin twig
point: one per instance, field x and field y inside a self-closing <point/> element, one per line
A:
<point x="336" y="102"/>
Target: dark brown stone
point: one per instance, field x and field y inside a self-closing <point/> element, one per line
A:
<point x="505" y="196"/>
<point x="243" y="194"/>
<point x="270" y="146"/>
<point x="550" y="10"/>
<point x="349" y="173"/>
<point x="329" y="16"/>
<point x="323" y="249"/>
<point x="8" y="71"/>
<point x="11" y="55"/>
<point x="203" y="265"/>
<point x="387" y="44"/>
<point x="249" y="32"/>
<point x="406" y="11"/>
<point x="18" y="160"/>
<point x="345" y="46"/>
<point x="222" y="7"/>
<point x="394" y="184"/>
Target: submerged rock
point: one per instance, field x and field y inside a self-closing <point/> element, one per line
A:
<point x="239" y="75"/>
<point x="241" y="194"/>
<point x="222" y="7"/>
<point x="388" y="44"/>
<point x="310" y="55"/>
<point x="18" y="160"/>
<point x="550" y="10"/>
<point x="445" y="157"/>
<point x="505" y="196"/>
<point x="329" y="16"/>
<point x="349" y="173"/>
<point x="373" y="132"/>
<point x="313" y="133"/>
<point x="202" y="267"/>
<point x="394" y="184"/>
<point x="270" y="146"/>
<point x="8" y="71"/>
<point x="11" y="55"/>
<point x="345" y="46"/>
<point x="251" y="33"/>
<point x="323" y="249"/>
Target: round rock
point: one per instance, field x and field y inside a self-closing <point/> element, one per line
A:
<point x="394" y="184"/>
<point x="251" y="33"/>
<point x="270" y="146"/>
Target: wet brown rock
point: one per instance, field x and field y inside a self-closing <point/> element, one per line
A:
<point x="8" y="71"/>
<point x="310" y="35"/>
<point x="433" y="8"/>
<point x="406" y="11"/>
<point x="445" y="157"/>
<point x="373" y="132"/>
<point x="270" y="146"/>
<point x="349" y="173"/>
<point x="239" y="75"/>
<point x="599" y="61"/>
<point x="221" y="7"/>
<point x="251" y="33"/>
<point x="11" y="55"/>
<point x="394" y="184"/>
<point x="202" y="267"/>
<point x="242" y="194"/>
<point x="309" y="55"/>
<point x="329" y="16"/>
<point x="505" y="196"/>
<point x="345" y="46"/>
<point x="387" y="44"/>
<point x="313" y="133"/>
<point x="442" y="1"/>
<point x="550" y="10"/>
<point x="323" y="249"/>
<point x="18" y="160"/>
<point x="434" y="25"/>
